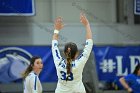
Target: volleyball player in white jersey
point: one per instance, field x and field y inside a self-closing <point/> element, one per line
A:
<point x="31" y="81"/>
<point x="69" y="70"/>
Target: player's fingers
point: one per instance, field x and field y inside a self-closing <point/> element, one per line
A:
<point x="83" y="15"/>
<point x="60" y="19"/>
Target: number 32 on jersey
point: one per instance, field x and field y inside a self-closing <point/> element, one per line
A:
<point x="64" y="76"/>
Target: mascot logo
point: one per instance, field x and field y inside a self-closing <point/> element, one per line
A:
<point x="13" y="62"/>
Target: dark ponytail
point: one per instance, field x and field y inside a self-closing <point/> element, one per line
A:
<point x="69" y="60"/>
<point x="136" y="69"/>
<point x="70" y="52"/>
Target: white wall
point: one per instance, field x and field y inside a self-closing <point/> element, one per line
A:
<point x="69" y="9"/>
<point x="41" y="34"/>
<point x="37" y="30"/>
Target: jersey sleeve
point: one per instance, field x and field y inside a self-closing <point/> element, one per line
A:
<point x="129" y="78"/>
<point x="56" y="53"/>
<point x="82" y="59"/>
<point x="33" y="84"/>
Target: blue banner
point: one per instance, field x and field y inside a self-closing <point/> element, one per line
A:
<point x="14" y="60"/>
<point x="137" y="7"/>
<point x="113" y="62"/>
<point x="17" y="7"/>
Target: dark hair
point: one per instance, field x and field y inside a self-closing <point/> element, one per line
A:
<point x="30" y="67"/>
<point x="136" y="69"/>
<point x="70" y="51"/>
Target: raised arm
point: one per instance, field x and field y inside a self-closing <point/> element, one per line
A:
<point x="85" y="22"/>
<point x="58" y="25"/>
<point x="89" y="42"/>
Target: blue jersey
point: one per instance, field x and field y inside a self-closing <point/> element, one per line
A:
<point x="74" y="83"/>
<point x="134" y="82"/>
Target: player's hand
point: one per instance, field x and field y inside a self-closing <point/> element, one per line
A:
<point x="83" y="19"/>
<point x="58" y="25"/>
<point x="130" y="90"/>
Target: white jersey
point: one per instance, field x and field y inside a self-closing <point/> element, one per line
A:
<point x="74" y="83"/>
<point x="32" y="84"/>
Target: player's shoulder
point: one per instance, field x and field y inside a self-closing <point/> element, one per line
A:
<point x="32" y="75"/>
<point x="130" y="76"/>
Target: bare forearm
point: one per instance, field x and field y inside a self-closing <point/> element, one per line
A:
<point x="88" y="32"/>
<point x="123" y="82"/>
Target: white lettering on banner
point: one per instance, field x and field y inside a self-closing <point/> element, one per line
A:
<point x="119" y="67"/>
<point x="133" y="62"/>
<point x="108" y="65"/>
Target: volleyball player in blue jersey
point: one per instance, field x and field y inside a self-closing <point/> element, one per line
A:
<point x="31" y="81"/>
<point x="70" y="68"/>
<point x="131" y="82"/>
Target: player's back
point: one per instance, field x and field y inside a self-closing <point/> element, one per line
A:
<point x="74" y="81"/>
